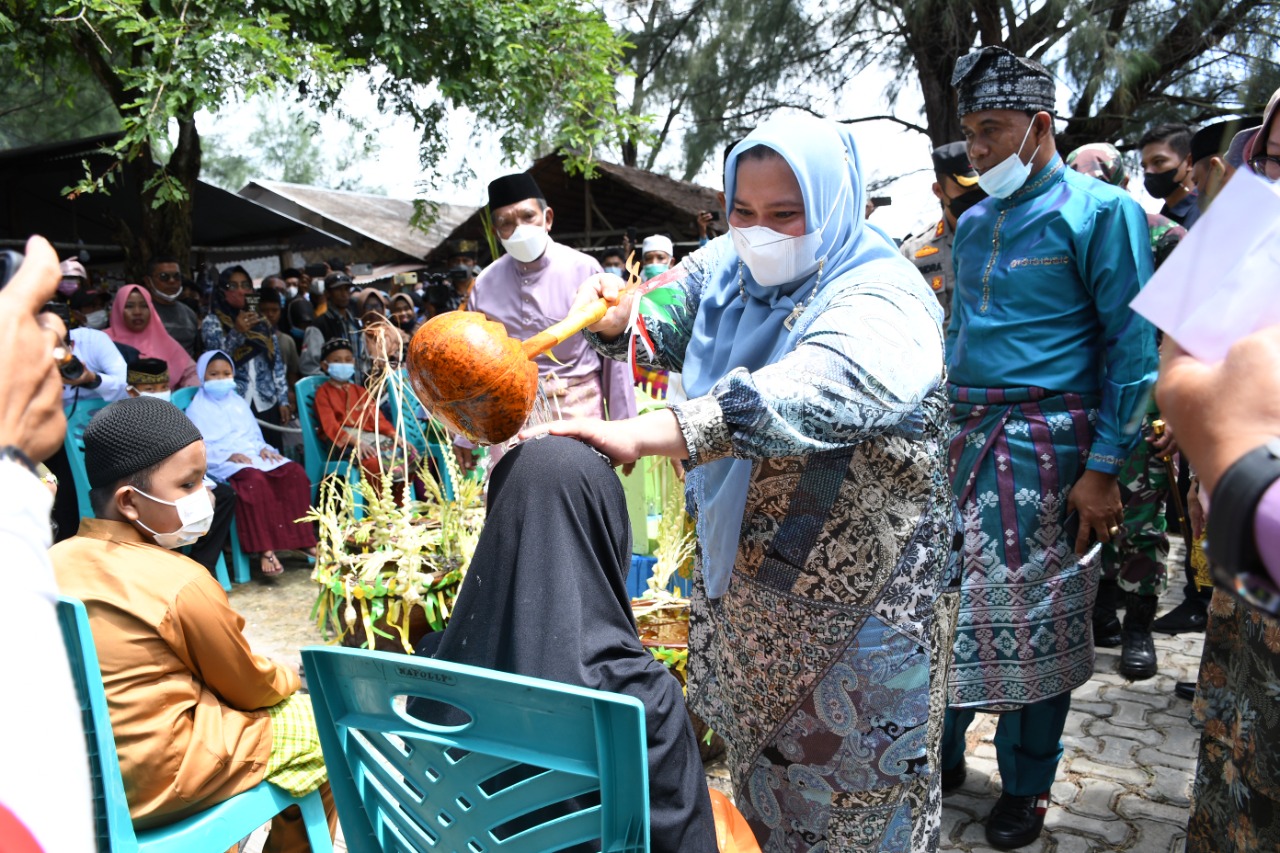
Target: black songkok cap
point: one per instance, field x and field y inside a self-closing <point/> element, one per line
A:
<point x="952" y="160"/>
<point x="132" y="435"/>
<point x="1213" y="140"/>
<point x="148" y="371"/>
<point x="510" y="189"/>
<point x="994" y="78"/>
<point x="335" y="344"/>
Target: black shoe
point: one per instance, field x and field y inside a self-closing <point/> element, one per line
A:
<point x="953" y="777"/>
<point x="1016" y="821"/>
<point x="1188" y="617"/>
<point x="1106" y="632"/>
<point x="1138" y="657"/>
<point x="1184" y="690"/>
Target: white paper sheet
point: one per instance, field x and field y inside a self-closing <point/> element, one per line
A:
<point x="1223" y="281"/>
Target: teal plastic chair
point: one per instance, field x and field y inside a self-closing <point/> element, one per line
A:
<point x="402" y="784"/>
<point x="239" y="559"/>
<point x="315" y="458"/>
<point x="77" y="419"/>
<point x="214" y="829"/>
<point x="183" y="396"/>
<point x="404" y="412"/>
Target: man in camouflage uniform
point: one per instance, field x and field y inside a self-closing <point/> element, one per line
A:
<point x="957" y="190"/>
<point x="1135" y="563"/>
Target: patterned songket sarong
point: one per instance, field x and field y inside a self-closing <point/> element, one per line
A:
<point x="1024" y="632"/>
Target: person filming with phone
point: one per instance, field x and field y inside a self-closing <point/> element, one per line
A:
<point x="235" y="327"/>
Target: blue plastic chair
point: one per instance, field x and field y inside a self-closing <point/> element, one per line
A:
<point x="183" y="396"/>
<point x="77" y="419"/>
<point x="239" y="559"/>
<point x="315" y="459"/>
<point x="402" y="784"/>
<point x="214" y="829"/>
<point x="402" y="398"/>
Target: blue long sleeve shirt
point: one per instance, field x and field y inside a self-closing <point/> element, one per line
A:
<point x="1044" y="279"/>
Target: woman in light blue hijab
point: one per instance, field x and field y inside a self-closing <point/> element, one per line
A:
<point x="272" y="493"/>
<point x="824" y="604"/>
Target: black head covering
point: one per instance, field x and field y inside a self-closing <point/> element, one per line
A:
<point x="131" y="435"/>
<point x="995" y="78"/>
<point x="952" y="160"/>
<point x="300" y="313"/>
<point x="258" y="340"/>
<point x="335" y="344"/>
<point x="147" y="371"/>
<point x="546" y="597"/>
<point x="1213" y="140"/>
<point x="510" y="189"/>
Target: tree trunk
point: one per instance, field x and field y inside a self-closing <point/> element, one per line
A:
<point x="167" y="228"/>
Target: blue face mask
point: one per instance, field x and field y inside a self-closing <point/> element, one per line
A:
<point x="219" y="388"/>
<point x="342" y="372"/>
<point x="618" y="271"/>
<point x="297" y="334"/>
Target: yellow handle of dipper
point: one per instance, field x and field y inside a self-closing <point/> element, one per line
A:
<point x="578" y="319"/>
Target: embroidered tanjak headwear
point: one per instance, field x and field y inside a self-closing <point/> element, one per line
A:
<point x="148" y="371"/>
<point x="994" y="78"/>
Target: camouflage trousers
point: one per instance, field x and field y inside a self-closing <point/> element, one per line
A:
<point x="1137" y="559"/>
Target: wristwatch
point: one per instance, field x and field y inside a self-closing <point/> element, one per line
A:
<point x="1230" y="541"/>
<point x="14" y="453"/>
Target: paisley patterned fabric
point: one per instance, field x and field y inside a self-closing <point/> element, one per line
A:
<point x="824" y="665"/>
<point x="1024" y="633"/>
<point x="1235" y="801"/>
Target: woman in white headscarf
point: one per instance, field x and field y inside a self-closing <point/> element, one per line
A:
<point x="272" y="492"/>
<point x="824" y="604"/>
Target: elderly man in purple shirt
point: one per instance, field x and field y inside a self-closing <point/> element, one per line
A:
<point x="533" y="286"/>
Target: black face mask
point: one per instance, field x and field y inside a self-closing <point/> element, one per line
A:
<point x="1161" y="184"/>
<point x="964" y="201"/>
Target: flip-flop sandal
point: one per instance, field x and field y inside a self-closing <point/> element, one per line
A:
<point x="276" y="565"/>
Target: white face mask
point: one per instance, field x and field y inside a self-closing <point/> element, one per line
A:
<point x="159" y="395"/>
<point x="97" y="319"/>
<point x="527" y="243"/>
<point x="291" y="291"/>
<point x="776" y="259"/>
<point x="1007" y="177"/>
<point x="195" y="512"/>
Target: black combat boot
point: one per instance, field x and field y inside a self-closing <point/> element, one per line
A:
<point x="1138" y="656"/>
<point x="1106" y="625"/>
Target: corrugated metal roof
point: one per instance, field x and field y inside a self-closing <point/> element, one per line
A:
<point x="378" y="218"/>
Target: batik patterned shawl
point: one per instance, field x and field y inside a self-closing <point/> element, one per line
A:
<point x="1024" y="632"/>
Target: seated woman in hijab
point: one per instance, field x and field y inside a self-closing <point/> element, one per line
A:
<point x="272" y="492"/>
<point x="134" y="323"/>
<point x="546" y="597"/>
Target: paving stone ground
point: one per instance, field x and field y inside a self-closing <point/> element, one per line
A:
<point x="1125" y="779"/>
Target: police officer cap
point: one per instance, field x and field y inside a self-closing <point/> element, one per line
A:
<point x="952" y="160"/>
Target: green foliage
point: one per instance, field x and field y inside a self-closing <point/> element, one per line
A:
<point x="715" y="68"/>
<point x="539" y="74"/>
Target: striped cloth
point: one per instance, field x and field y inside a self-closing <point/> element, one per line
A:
<point x="296" y="763"/>
<point x="1024" y="632"/>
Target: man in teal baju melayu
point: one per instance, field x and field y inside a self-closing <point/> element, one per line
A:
<point x="1049" y="374"/>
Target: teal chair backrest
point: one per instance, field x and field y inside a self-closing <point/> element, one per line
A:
<point x="77" y="419"/>
<point x="110" y="808"/>
<point x="404" y="412"/>
<point x="216" y="828"/>
<point x="183" y="396"/>
<point x="402" y="784"/>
